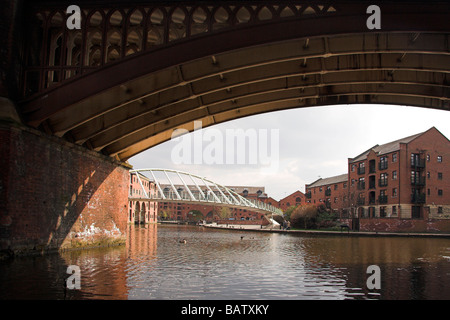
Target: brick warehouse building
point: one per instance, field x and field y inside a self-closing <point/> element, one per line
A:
<point x="402" y="185"/>
<point x="296" y="198"/>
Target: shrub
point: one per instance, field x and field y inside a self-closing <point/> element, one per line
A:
<point x="305" y="217"/>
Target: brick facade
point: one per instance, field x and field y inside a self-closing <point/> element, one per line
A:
<point x="331" y="192"/>
<point x="140" y="211"/>
<point x="404" y="179"/>
<point x="296" y="198"/>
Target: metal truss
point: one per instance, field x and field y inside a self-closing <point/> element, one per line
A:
<point x="183" y="187"/>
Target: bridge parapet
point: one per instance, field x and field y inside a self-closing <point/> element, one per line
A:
<point x="112" y="32"/>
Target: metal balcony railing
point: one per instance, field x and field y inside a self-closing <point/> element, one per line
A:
<point x="418" y="181"/>
<point x="418" y="163"/>
<point x="418" y="198"/>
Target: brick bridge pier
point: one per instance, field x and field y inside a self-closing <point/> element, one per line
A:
<point x="88" y="206"/>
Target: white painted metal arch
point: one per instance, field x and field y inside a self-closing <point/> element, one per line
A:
<point x="183" y="187"/>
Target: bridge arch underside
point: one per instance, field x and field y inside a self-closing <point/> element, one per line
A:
<point x="127" y="107"/>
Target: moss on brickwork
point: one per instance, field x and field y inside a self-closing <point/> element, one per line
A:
<point x="94" y="243"/>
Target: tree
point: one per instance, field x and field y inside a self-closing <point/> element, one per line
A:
<point x="288" y="212"/>
<point x="224" y="213"/>
<point x="195" y="215"/>
<point x="304" y="217"/>
<point x="163" y="214"/>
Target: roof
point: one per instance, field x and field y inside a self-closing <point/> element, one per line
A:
<point x="386" y="148"/>
<point x="327" y="181"/>
<point x="295" y="192"/>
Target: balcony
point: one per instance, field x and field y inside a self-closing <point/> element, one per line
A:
<point x="382" y="199"/>
<point x="361" y="185"/>
<point x="382" y="182"/>
<point x="418" y="198"/>
<point x="418" y="181"/>
<point x="383" y="165"/>
<point x="418" y="163"/>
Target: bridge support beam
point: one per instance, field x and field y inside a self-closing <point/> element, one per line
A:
<point x="54" y="194"/>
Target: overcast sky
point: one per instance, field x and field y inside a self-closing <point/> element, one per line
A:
<point x="313" y="142"/>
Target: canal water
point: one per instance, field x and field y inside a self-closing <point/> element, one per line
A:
<point x="220" y="265"/>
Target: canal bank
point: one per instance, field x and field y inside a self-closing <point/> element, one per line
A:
<point x="258" y="228"/>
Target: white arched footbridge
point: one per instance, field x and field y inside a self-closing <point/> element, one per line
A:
<point x="183" y="187"/>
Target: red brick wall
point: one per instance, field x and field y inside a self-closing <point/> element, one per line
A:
<point x="291" y="200"/>
<point x="404" y="225"/>
<point x="433" y="144"/>
<point x="57" y="195"/>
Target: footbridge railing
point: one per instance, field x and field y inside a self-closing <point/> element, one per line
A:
<point x="182" y="187"/>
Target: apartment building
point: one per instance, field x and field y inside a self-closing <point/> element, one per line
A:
<point x="402" y="185"/>
<point x="406" y="178"/>
<point x="332" y="192"/>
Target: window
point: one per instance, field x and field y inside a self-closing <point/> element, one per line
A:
<point x="362" y="168"/>
<point x="440" y="210"/>
<point x="394" y="175"/>
<point x="383" y="163"/>
<point x="440" y="192"/>
<point x="439" y="175"/>
<point x="394" y="157"/>
<point x="335" y="187"/>
<point x="383" y="180"/>
<point x="353" y="168"/>
<point x="298" y="199"/>
<point x="394" y="192"/>
<point x="428" y="157"/>
<point x="428" y="175"/>
<point x="439" y="159"/>
<point x="361" y="183"/>
<point x="394" y="210"/>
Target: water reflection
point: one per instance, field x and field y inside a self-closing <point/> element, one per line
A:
<point x="219" y="264"/>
